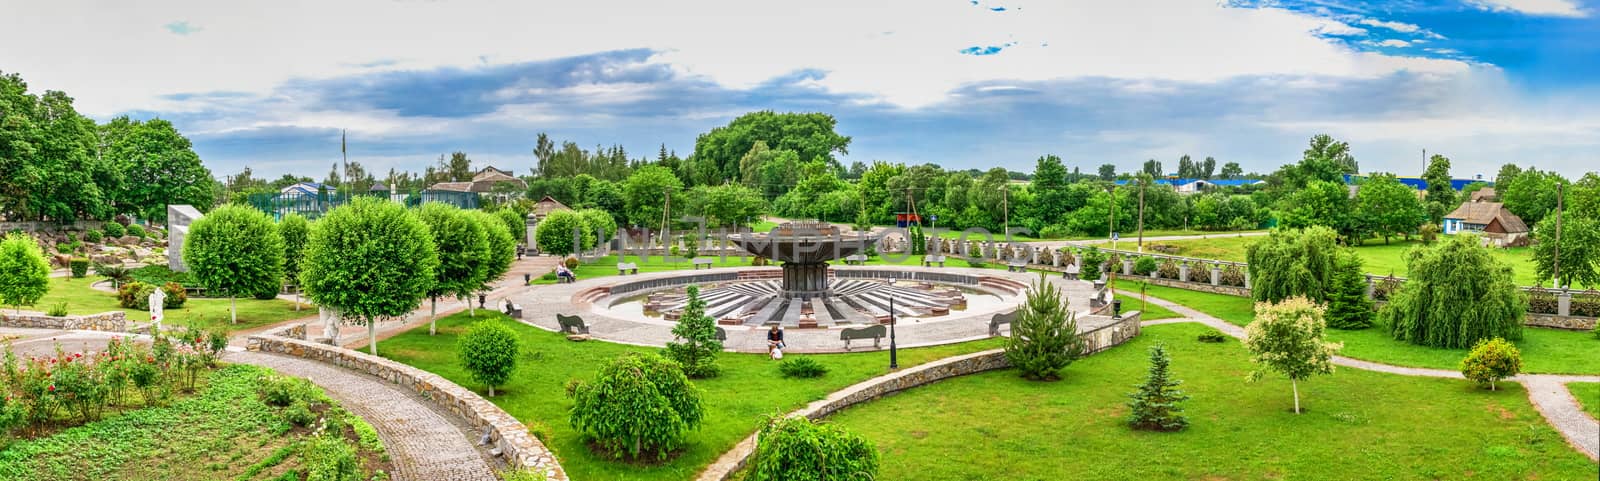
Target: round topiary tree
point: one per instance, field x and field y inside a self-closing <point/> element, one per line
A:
<point x="489" y="352"/>
<point x="556" y="232"/>
<point x="369" y="259"/>
<point x="463" y="249"/>
<point x="235" y="249"/>
<point x="502" y="247"/>
<point x="637" y="404"/>
<point x="1044" y="337"/>
<point x="795" y="448"/>
<point x="598" y="226"/>
<point x="1458" y="294"/>
<point x="697" y="346"/>
<point x="1492" y="360"/>
<point x="294" y="230"/>
<point x="515" y="223"/>
<point x="24" y="274"/>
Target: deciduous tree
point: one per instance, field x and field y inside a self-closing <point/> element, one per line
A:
<point x="370" y="259"/>
<point x="1579" y="246"/>
<point x="1286" y="337"/>
<point x="462" y="247"/>
<point x="235" y="250"/>
<point x="637" y="404"/>
<point x="489" y="352"/>
<point x="1388" y="207"/>
<point x="797" y="448"/>
<point x="24" y="274"/>
<point x="1458" y="293"/>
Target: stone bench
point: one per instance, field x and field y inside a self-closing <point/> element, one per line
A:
<point x="513" y="309"/>
<point x="572" y="324"/>
<point x="1001" y="319"/>
<point x="1016" y="266"/>
<point x="624" y="268"/>
<point x="1071" y="272"/>
<point x="695" y="263"/>
<point x="855" y="259"/>
<point x="930" y="260"/>
<point x="876" y="333"/>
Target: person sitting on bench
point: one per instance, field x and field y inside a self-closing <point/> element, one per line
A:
<point x="565" y="275"/>
<point x="774" y="339"/>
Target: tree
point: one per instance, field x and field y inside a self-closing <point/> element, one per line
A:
<point x="1388" y="207"/>
<point x="1508" y="172"/>
<point x="294" y="230"/>
<point x="462" y="247"/>
<point x="1187" y="168"/>
<point x="1326" y="160"/>
<point x="1583" y="197"/>
<point x="1153" y="168"/>
<point x="158" y="167"/>
<point x="1531" y="195"/>
<point x="1208" y="168"/>
<point x="1044" y="337"/>
<point x="556" y="232"/>
<point x="637" y="403"/>
<point x="1438" y="177"/>
<point x="1293" y="262"/>
<point x="502" y="248"/>
<point x="1348" y="306"/>
<point x="645" y="194"/>
<point x="370" y="259"/>
<point x="1491" y="360"/>
<point x="24" y="274"/>
<point x="489" y="352"/>
<point x="458" y="168"/>
<point x="1155" y="405"/>
<point x="597" y="226"/>
<point x="1287" y="337"/>
<point x="515" y="224"/>
<point x="799" y="449"/>
<point x="697" y="351"/>
<point x="1321" y="203"/>
<point x="1231" y="170"/>
<point x="1580" y="251"/>
<point x="1108" y="172"/>
<point x="810" y="135"/>
<point x="1458" y="293"/>
<point x="235" y="250"/>
<point x="728" y="204"/>
<point x="50" y="162"/>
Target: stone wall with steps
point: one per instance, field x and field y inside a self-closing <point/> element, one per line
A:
<point x="511" y="438"/>
<point x="1099" y="339"/>
<point x="114" y="321"/>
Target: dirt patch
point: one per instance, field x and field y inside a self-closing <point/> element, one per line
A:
<point x="919" y="434"/>
<point x="1502" y="412"/>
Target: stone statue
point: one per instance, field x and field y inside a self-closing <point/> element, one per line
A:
<point x="158" y="299"/>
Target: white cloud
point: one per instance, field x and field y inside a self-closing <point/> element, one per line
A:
<point x="1397" y="43"/>
<point x="1555" y="8"/>
<point x="1401" y="27"/>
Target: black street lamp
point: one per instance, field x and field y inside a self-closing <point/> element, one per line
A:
<point x="894" y="358"/>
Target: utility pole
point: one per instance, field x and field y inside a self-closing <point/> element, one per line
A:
<point x="1111" y="231"/>
<point x="1557" y="270"/>
<point x="666" y="213"/>
<point x="1142" y="183"/>
<point x="1005" y="209"/>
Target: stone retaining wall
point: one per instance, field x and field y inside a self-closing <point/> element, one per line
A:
<point x="511" y="437"/>
<point x="114" y="321"/>
<point x="1099" y="339"/>
<point x="1559" y="322"/>
<point x="1193" y="286"/>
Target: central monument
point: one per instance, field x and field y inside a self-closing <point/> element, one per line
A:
<point x="805" y="249"/>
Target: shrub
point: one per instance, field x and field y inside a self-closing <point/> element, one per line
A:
<point x="976" y="262"/>
<point x="283" y="391"/>
<point x="522" y="474"/>
<point x="758" y="261"/>
<point x="299" y="414"/>
<point x="1429" y="232"/>
<point x="1294" y="262"/>
<point x="63" y="248"/>
<point x="804" y="367"/>
<point x="795" y="448"/>
<point x="117" y="273"/>
<point x="539" y="430"/>
<point x="1044" y="337"/>
<point x="697" y="351"/>
<point x="571" y="262"/>
<point x="1054" y="231"/>
<point x="176" y="295"/>
<point x="93" y="236"/>
<point x="1094" y="262"/>
<point x="58" y="309"/>
<point x="1144" y="266"/>
<point x="1459" y="293"/>
<point x="637" y="404"/>
<point x="24" y="272"/>
<point x="489" y="352"/>
<point x="1155" y="405"/>
<point x="1232" y="276"/>
<point x="265" y="295"/>
<point x="137" y="231"/>
<point x="80" y="267"/>
<point x="329" y="458"/>
<point x="1212" y="335"/>
<point x="114" y="229"/>
<point x="135" y="295"/>
<point x="1491" y="360"/>
<point x="1168" y="270"/>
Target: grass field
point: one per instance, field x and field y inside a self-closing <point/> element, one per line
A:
<point x="1358" y="425"/>
<point x="1588" y="394"/>
<point x="1544" y="350"/>
<point x="749" y="388"/>
<point x="206" y="313"/>
<point x="225" y="431"/>
<point x="1377" y="258"/>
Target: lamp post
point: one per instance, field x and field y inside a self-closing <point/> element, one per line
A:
<point x="894" y="359"/>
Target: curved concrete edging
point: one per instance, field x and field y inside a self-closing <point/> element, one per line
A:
<point x="1099" y="339"/>
<point x="511" y="437"/>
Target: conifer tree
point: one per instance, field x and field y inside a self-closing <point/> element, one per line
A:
<point x="1155" y="405"/>
<point x="1044" y="337"/>
<point x="698" y="332"/>
<point x="1348" y="306"/>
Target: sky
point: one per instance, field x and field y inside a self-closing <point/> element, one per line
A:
<point x="959" y="83"/>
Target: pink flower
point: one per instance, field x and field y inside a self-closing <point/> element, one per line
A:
<point x="52" y="388"/>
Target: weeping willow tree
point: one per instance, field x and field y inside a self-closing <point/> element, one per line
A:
<point x="1294" y="262"/>
<point x="1458" y="294"/>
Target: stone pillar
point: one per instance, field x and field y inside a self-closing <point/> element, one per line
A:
<point x="1247" y="278"/>
<point x="1371" y="287"/>
<point x="1055" y="258"/>
<point x="1034" y="253"/>
<point x="1183" y="271"/>
<point x="532" y="224"/>
<point x="1127" y="266"/>
<point x="1564" y="303"/>
<point x="1216" y="274"/>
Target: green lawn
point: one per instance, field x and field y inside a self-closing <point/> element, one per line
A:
<point x="1378" y="258"/>
<point x="606" y="266"/>
<point x="1588" y="395"/>
<point x="1544" y="350"/>
<point x="225" y="431"/>
<point x="207" y="313"/>
<point x="1358" y="425"/>
<point x="749" y="388"/>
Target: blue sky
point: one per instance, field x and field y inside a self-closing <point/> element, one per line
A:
<point x="958" y="83"/>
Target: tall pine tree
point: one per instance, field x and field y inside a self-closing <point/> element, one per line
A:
<point x="1044" y="337"/>
<point x="1155" y="405"/>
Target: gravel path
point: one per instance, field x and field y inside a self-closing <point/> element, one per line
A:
<point x="424" y="444"/>
<point x="1548" y="392"/>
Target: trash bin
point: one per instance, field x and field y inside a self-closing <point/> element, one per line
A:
<point x="1116" y="309"/>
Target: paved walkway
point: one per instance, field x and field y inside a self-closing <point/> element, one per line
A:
<point x="1548" y="392"/>
<point x="423" y="443"/>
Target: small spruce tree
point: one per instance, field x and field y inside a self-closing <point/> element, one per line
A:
<point x="698" y="332"/>
<point x="1492" y="360"/>
<point x="1155" y="405"/>
<point x="1044" y="337"/>
<point x="1348" y="306"/>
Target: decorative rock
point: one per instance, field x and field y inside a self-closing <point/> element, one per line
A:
<point x="577" y="337"/>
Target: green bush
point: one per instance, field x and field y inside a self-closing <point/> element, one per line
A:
<point x="489" y="352"/>
<point x="160" y="274"/>
<point x="797" y="449"/>
<point x="1491" y="360"/>
<point x="283" y="391"/>
<point x="1212" y="336"/>
<point x="329" y="458"/>
<point x="1459" y="292"/>
<point x="1144" y="266"/>
<point x="696" y="346"/>
<point x="266" y="295"/>
<point x="93" y="236"/>
<point x="114" y="229"/>
<point x="976" y="262"/>
<point x="137" y="231"/>
<point x="79" y="266"/>
<point x="299" y="414"/>
<point x="522" y="474"/>
<point x="802" y="367"/>
<point x="176" y="295"/>
<point x="135" y="295"/>
<point x="1054" y="231"/>
<point x="637" y="404"/>
<point x="1093" y="262"/>
<point x="1168" y="270"/>
<point x="58" y="309"/>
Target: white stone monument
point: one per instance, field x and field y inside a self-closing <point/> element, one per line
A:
<point x="158" y="299"/>
<point x="178" y="219"/>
